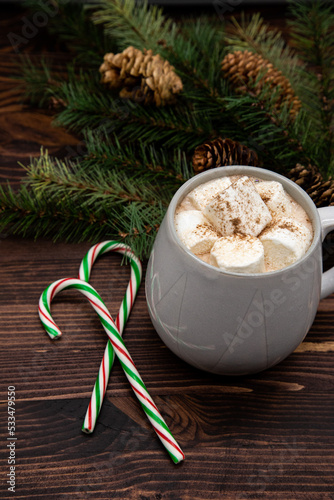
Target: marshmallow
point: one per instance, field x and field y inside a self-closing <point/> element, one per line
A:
<point x="238" y="254"/>
<point x="203" y="194"/>
<point x="274" y="196"/>
<point x="238" y="209"/>
<point x="195" y="231"/>
<point x="284" y="242"/>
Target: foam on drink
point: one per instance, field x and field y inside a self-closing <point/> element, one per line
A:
<point x="245" y="225"/>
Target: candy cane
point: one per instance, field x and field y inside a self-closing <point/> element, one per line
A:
<point x="86" y="266"/>
<point x="136" y="382"/>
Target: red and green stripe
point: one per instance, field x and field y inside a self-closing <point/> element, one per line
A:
<point x="122" y="353"/>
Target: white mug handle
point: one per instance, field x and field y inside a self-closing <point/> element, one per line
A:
<point x="327" y="224"/>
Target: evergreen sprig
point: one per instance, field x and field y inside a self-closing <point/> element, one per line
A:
<point x="71" y="25"/>
<point x="105" y="194"/>
<point x="104" y="151"/>
<point x="134" y="156"/>
<point x="30" y="214"/>
<point x="312" y="32"/>
<point x="255" y="35"/>
<point x="41" y="82"/>
<point x="131" y="23"/>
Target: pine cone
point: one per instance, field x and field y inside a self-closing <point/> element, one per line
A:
<point x="141" y="76"/>
<point x="311" y="180"/>
<point x="243" y="70"/>
<point x="222" y="152"/>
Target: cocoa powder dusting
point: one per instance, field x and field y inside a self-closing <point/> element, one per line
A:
<point x="287" y="225"/>
<point x="236" y="223"/>
<point x="226" y="205"/>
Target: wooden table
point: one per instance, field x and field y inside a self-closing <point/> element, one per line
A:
<point x="267" y="436"/>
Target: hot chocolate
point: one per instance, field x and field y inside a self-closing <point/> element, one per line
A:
<point x="243" y="224"/>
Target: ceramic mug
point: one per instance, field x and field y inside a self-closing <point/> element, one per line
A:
<point x="229" y="323"/>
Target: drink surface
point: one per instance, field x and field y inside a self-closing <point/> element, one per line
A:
<point x="243" y="224"/>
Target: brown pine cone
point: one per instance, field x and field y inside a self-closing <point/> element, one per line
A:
<point x="311" y="180"/>
<point x="141" y="76"/>
<point x="249" y="72"/>
<point x="222" y="152"/>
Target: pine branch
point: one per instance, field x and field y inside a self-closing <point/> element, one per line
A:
<point x="292" y="140"/>
<point x="27" y="214"/>
<point x="40" y="83"/>
<point x="138" y="227"/>
<point x="196" y="50"/>
<point x="82" y="103"/>
<point x="72" y="26"/>
<point x="136" y="154"/>
<point x="70" y="201"/>
<point x="106" y="153"/>
<point x="177" y="126"/>
<point x="312" y="26"/>
<point x="254" y="35"/>
<point x="212" y="115"/>
<point x="33" y="213"/>
<point x="198" y="55"/>
<point x="279" y="142"/>
<point x="260" y="120"/>
<point x="131" y="23"/>
<point x="58" y="179"/>
<point x="312" y="32"/>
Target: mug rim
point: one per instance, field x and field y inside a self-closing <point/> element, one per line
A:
<point x="264" y="174"/>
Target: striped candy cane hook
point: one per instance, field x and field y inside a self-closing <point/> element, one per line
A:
<point x="86" y="266"/>
<point x="136" y="382"/>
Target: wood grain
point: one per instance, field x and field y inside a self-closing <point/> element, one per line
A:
<point x="266" y="436"/>
<point x="24" y="130"/>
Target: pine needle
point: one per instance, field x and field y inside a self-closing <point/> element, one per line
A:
<point x="312" y="32"/>
<point x="131" y="23"/>
<point x="136" y="156"/>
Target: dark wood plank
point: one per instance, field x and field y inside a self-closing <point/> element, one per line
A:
<point x="269" y="434"/>
<point x="23" y="129"/>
